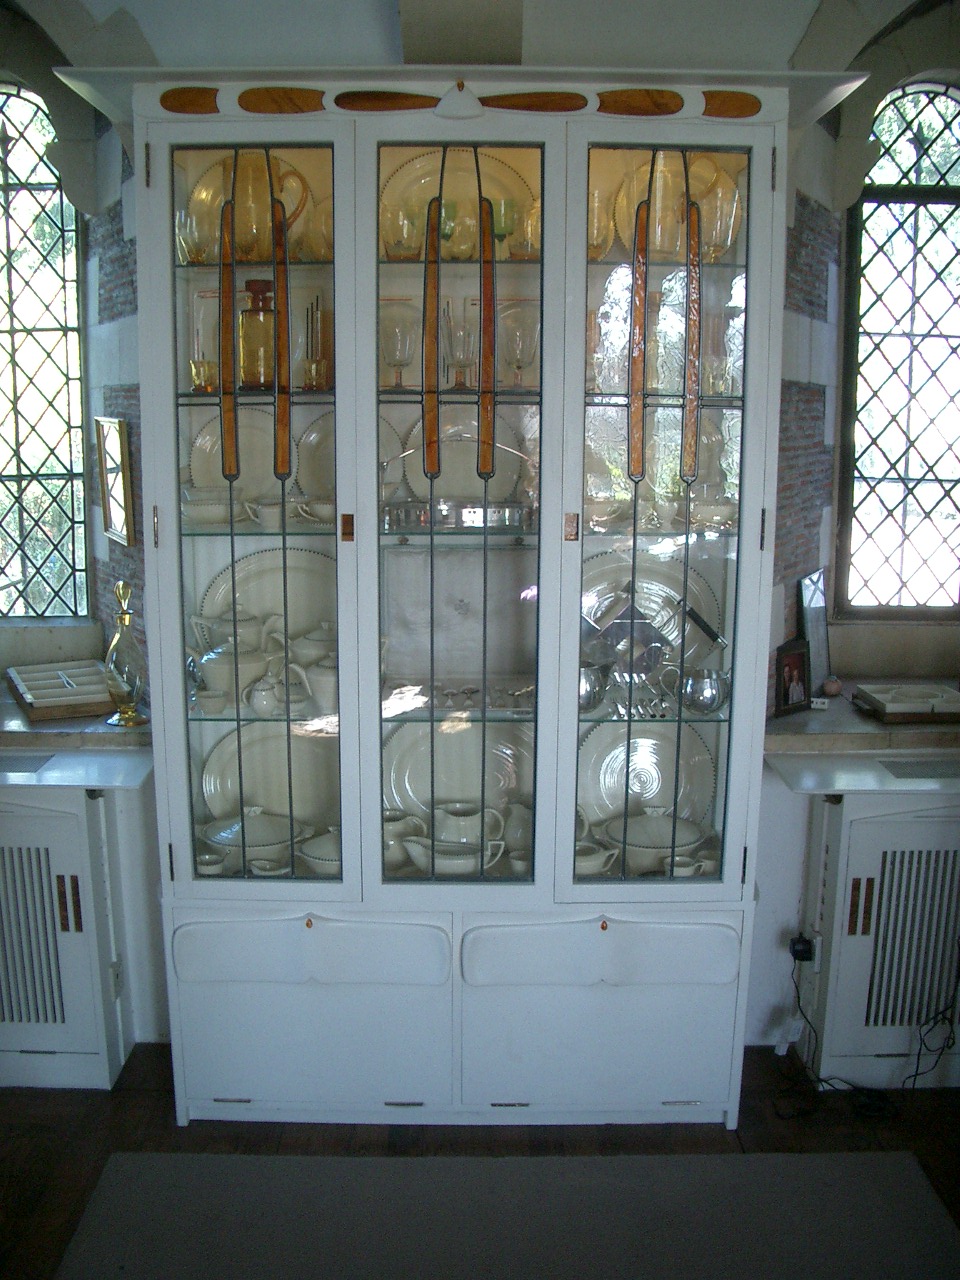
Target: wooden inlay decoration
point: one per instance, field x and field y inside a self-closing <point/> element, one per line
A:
<point x="640" y="102"/>
<point x="190" y="100"/>
<point x="384" y="100"/>
<point x="276" y="100"/>
<point x="729" y="104"/>
<point x="535" y="101"/>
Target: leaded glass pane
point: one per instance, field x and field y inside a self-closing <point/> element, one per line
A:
<point x="904" y="517"/>
<point x="42" y="547"/>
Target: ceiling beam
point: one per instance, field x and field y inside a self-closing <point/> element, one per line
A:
<point x="462" y="32"/>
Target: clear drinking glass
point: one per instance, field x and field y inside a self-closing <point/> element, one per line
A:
<point x="399" y="332"/>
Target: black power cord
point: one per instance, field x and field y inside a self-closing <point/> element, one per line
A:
<point x="943" y="1018"/>
<point x="865" y="1102"/>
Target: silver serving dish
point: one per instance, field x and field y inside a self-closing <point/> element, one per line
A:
<point x="403" y="517"/>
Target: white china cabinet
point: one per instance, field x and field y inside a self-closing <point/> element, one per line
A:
<point x="459" y="402"/>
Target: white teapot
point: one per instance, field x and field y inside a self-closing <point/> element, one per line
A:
<point x="220" y="667"/>
<point x="265" y="696"/>
<point x="320" y="683"/>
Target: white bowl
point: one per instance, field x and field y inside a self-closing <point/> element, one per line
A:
<point x="264" y="836"/>
<point x="327" y="867"/>
<point x="653" y="831"/>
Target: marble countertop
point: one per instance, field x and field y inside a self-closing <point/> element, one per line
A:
<point x="844" y="728"/>
<point x="17" y="731"/>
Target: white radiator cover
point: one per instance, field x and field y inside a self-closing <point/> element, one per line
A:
<point x="59" y="1024"/>
<point x="885" y="898"/>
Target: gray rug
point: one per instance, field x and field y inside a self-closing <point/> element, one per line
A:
<point x="786" y="1217"/>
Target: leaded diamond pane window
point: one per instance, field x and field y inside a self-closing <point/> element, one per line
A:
<point x="42" y="543"/>
<point x="900" y="490"/>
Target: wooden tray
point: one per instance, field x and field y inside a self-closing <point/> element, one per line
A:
<point x="61" y="690"/>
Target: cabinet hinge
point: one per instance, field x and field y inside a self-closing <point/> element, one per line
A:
<point x="170" y="857"/>
<point x="773" y="169"/>
<point x="743" y="869"/>
<point x="763" y="526"/>
<point x="146" y="164"/>
<point x="156" y="527"/>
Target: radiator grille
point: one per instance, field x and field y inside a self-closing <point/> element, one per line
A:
<point x="916" y="911"/>
<point x="31" y="911"/>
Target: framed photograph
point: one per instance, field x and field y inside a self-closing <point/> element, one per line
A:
<point x="812" y="612"/>
<point x="792" y="678"/>
<point x="115" y="491"/>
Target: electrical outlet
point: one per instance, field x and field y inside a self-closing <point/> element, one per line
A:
<point x="817" y="951"/>
<point x="819" y="704"/>
<point x="116" y="978"/>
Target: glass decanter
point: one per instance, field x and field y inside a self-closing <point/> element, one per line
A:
<point x="125" y="666"/>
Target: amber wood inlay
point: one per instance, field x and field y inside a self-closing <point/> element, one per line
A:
<point x="384" y="100"/>
<point x="546" y="101"/>
<point x="281" y="441"/>
<point x="77" y="908"/>
<point x="190" y="100"/>
<point x="853" y="915"/>
<point x="488" y="366"/>
<point x="431" y="343"/>
<point x="730" y="104"/>
<point x="690" y="431"/>
<point x="640" y="102"/>
<point x="228" y="403"/>
<point x="279" y="100"/>
<point x="62" y="904"/>
<point x="636" y="450"/>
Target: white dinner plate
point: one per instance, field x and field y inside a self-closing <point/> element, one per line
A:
<point x="603" y="785"/>
<point x="458" y="480"/>
<point x="316" y="466"/>
<point x="311" y="589"/>
<point x="255" y="445"/>
<point x="314" y="772"/>
<point x="457" y="750"/>
<point x="658" y="592"/>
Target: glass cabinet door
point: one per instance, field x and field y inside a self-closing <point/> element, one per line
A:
<point x="458" y="329"/>
<point x="252" y="253"/>
<point x="662" y="423"/>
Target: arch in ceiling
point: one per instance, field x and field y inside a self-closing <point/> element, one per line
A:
<point x="914" y="51"/>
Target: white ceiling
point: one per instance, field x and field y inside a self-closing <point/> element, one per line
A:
<point x="732" y="35"/>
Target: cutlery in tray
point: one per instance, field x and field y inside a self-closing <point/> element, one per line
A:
<point x="61" y="690"/>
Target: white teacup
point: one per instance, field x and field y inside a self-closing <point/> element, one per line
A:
<point x="211" y="702"/>
<point x="462" y="821"/>
<point x="521" y="861"/>
<point x="590" y="860"/>
<point x="268" y="512"/>
<point x="683" y="865"/>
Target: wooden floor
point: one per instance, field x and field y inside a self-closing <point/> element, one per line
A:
<point x="54" y="1143"/>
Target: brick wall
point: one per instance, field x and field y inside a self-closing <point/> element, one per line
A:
<point x="116" y="300"/>
<point x="805" y="471"/>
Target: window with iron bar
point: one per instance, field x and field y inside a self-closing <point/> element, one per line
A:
<point x="898" y="552"/>
<point x="43" y="551"/>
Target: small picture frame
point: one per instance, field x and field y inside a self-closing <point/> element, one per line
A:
<point x="115" y="491"/>
<point x="792" y="679"/>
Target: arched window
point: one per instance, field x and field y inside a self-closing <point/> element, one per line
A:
<point x="43" y="570"/>
<point x="899" y="495"/>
